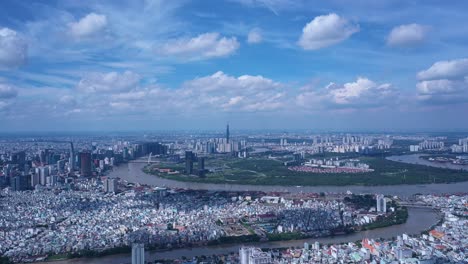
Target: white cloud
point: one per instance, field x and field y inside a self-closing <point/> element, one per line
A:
<point x="363" y="93"/>
<point x="88" y="26"/>
<point x="203" y="46"/>
<point x="327" y="30"/>
<point x="273" y="5"/>
<point x="7" y="91"/>
<point x="112" y="82"/>
<point x="442" y="86"/>
<point x="68" y="100"/>
<point x="254" y="36"/>
<point x="229" y="93"/>
<point x="7" y="94"/>
<point x="445" y="82"/>
<point x="407" y="35"/>
<point x="445" y="69"/>
<point x="13" y="49"/>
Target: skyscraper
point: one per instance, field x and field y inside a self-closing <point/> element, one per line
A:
<point x="201" y="166"/>
<point x="227" y="133"/>
<point x="188" y="162"/>
<point x="85" y="161"/>
<point x="138" y="254"/>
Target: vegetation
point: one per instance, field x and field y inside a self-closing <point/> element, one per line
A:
<point x="91" y="253"/>
<point x="361" y="201"/>
<point x="5" y="260"/>
<point x="263" y="171"/>
<point x="398" y="217"/>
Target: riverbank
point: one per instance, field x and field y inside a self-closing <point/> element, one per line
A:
<point x="262" y="171"/>
<point x="419" y="220"/>
<point x="132" y="172"/>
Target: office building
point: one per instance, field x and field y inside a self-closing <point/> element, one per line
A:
<point x="18" y="158"/>
<point x="138" y="254"/>
<point x="85" y="162"/>
<point x="110" y="185"/>
<point x="43" y="174"/>
<point x="189" y="162"/>
<point x="381" y="203"/>
<point x="201" y="166"/>
<point x="19" y="183"/>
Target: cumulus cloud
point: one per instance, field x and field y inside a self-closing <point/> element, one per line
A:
<point x="88" y="26"/>
<point x="327" y="30"/>
<point x="444" y="82"/>
<point x="451" y="69"/>
<point x="243" y="93"/>
<point x="363" y="93"/>
<point x="254" y="36"/>
<point x="407" y="35"/>
<point x="13" y="49"/>
<point x="203" y="46"/>
<point x="109" y="95"/>
<point x="112" y="82"/>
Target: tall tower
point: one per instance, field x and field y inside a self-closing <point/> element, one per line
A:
<point x="227" y="133"/>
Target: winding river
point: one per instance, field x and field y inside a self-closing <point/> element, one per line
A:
<point x="419" y="219"/>
<point x="416" y="159"/>
<point x="133" y="172"/>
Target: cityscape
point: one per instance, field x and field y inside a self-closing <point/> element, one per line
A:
<point x="233" y="132"/>
<point x="91" y="197"/>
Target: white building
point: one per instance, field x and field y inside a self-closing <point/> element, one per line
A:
<point x="110" y="185"/>
<point x="138" y="254"/>
<point x="414" y="148"/>
<point x="252" y="255"/>
<point x="381" y="203"/>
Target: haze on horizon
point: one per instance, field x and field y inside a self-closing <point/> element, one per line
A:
<point x="257" y="64"/>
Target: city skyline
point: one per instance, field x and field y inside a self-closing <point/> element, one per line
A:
<point x="259" y="64"/>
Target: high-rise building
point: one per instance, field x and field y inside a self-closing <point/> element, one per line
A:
<point x="34" y="180"/>
<point x="61" y="165"/>
<point x="138" y="254"/>
<point x="72" y="158"/>
<point x="85" y="161"/>
<point x="381" y="204"/>
<point x="201" y="166"/>
<point x="189" y="162"/>
<point x="43" y="174"/>
<point x="110" y="185"/>
<point x="227" y="133"/>
<point x="18" y="158"/>
<point x="19" y="183"/>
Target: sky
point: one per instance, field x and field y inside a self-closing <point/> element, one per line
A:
<point x="69" y="65"/>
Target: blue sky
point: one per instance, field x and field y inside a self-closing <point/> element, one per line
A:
<point x="157" y="65"/>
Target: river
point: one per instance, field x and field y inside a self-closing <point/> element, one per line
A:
<point x="415" y="159"/>
<point x="420" y="219"/>
<point x="133" y="172"/>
